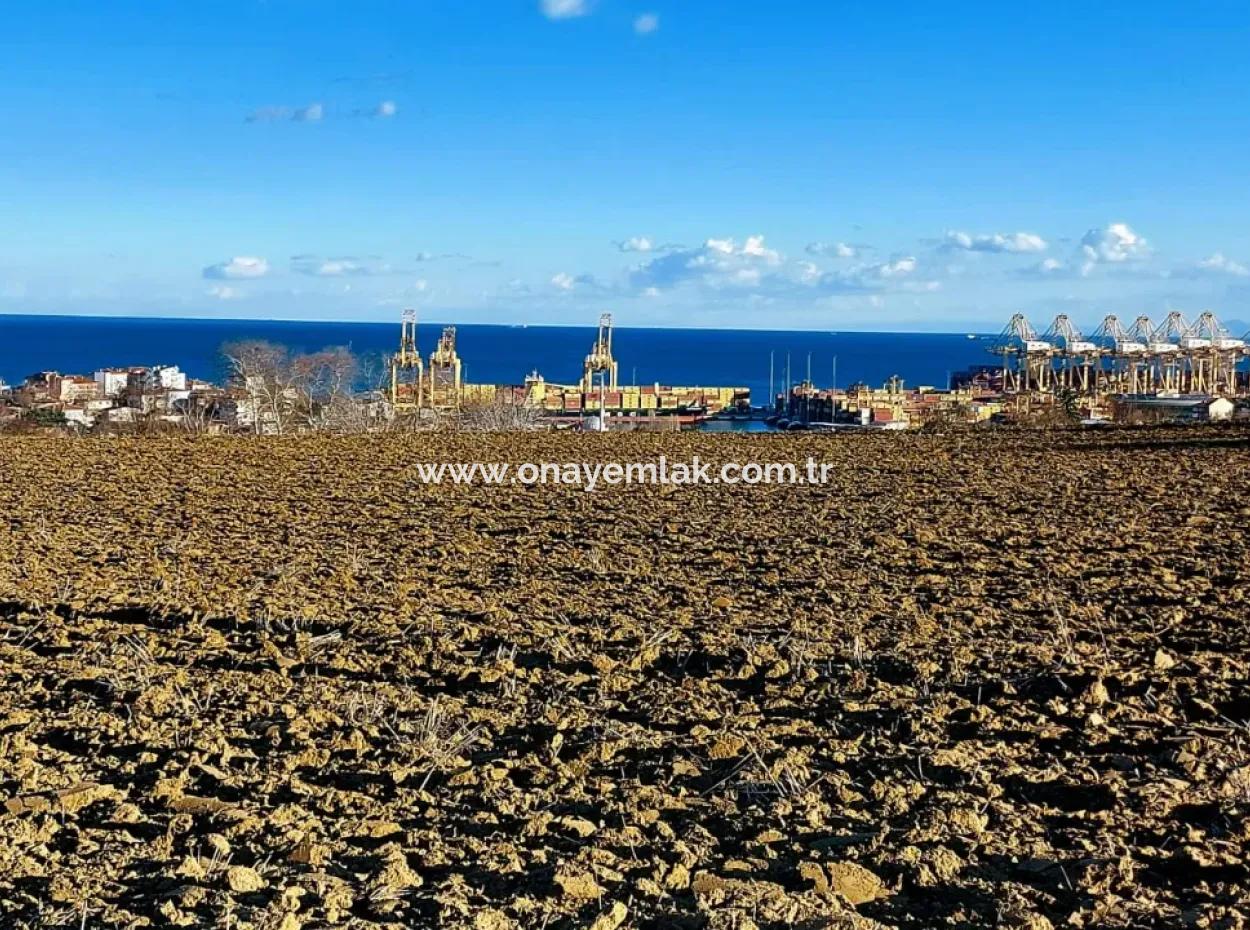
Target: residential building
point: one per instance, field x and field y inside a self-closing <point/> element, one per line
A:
<point x="113" y="381"/>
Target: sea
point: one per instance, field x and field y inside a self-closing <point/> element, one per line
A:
<point x="503" y="354"/>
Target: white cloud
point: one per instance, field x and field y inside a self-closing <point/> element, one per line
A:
<point x="1014" y="243"/>
<point x="383" y="110"/>
<point x="897" y="268"/>
<point x="718" y="263"/>
<point x="564" y="9"/>
<point x="636" y="244"/>
<point x="1046" y="268"/>
<point x="725" y="266"/>
<point x="1114" y="244"/>
<point x="316" y="112"/>
<point x="646" y="24"/>
<point x="1219" y="265"/>
<point x="336" y="267"/>
<point x="754" y="247"/>
<point x="239" y="267"/>
<point x="897" y="274"/>
<point x="225" y="292"/>
<point x="833" y="250"/>
<point x="567" y="283"/>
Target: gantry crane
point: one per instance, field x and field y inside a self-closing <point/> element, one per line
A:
<point x="1173" y="357"/>
<point x="1213" y="356"/>
<point x="1167" y="351"/>
<point x="1026" y="357"/>
<point x="600" y="359"/>
<point x="407" y="372"/>
<point x="445" y="372"/>
<point x="1128" y="362"/>
<point x="1077" y="358"/>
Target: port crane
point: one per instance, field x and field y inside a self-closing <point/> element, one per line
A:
<point x="416" y="384"/>
<point x="407" y="370"/>
<point x="1214" y="356"/>
<point x="600" y="360"/>
<point x="1125" y="364"/>
<point x="1077" y="359"/>
<point x="437" y="384"/>
<point x="445" y="372"/>
<point x="1174" y="356"/>
<point x="1166" y="349"/>
<point x="1026" y="357"/>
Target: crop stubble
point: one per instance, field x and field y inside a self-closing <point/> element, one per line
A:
<point x="990" y="680"/>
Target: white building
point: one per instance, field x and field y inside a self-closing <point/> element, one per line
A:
<point x="77" y="416"/>
<point x="112" y="381"/>
<point x="73" y="389"/>
<point x="1220" y="408"/>
<point x="1179" y="407"/>
<point x="168" y="377"/>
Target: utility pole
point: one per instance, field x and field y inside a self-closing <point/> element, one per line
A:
<point x="603" y="409"/>
<point x="809" y="368"/>
<point x="834" y="385"/>
<point x="772" y="392"/>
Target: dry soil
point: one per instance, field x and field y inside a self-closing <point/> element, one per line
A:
<point x="977" y="681"/>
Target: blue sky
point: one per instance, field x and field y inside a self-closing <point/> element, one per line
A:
<point x="816" y="165"/>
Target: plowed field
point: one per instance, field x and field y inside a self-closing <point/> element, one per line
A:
<point x="992" y="680"/>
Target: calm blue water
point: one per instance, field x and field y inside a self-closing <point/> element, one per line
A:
<point x="498" y="354"/>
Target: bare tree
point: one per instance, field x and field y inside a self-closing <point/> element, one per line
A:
<point x="505" y="413"/>
<point x="304" y="391"/>
<point x="261" y="372"/>
<point x="318" y="391"/>
<point x="199" y="417"/>
<point x="324" y="384"/>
